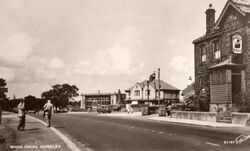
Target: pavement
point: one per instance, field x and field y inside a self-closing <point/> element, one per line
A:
<point x="36" y="136"/>
<point x="155" y="117"/>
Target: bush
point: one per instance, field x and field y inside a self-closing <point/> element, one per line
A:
<point x="78" y="110"/>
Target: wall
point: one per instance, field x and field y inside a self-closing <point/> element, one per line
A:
<point x="201" y="116"/>
<point x="132" y="94"/>
<point x="241" y="118"/>
<point x="152" y="92"/>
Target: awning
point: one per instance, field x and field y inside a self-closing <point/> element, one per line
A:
<point x="227" y="63"/>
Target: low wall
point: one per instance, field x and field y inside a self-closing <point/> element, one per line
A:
<point x="241" y="118"/>
<point x="201" y="116"/>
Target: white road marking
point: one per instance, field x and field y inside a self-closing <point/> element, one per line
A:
<point x="161" y="132"/>
<point x="213" y="144"/>
<point x="145" y="129"/>
<point x="69" y="143"/>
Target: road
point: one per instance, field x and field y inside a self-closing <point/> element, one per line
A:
<point x="103" y="133"/>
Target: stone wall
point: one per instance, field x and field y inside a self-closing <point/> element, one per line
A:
<point x="201" y="116"/>
<point x="241" y="118"/>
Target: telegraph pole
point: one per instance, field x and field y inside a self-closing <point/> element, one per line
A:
<point x="159" y="87"/>
<point x="148" y="91"/>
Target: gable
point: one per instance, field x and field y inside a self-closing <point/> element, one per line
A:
<point x="232" y="11"/>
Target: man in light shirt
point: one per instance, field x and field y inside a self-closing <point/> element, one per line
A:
<point x="48" y="109"/>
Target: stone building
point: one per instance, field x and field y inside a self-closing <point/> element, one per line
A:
<point x="222" y="55"/>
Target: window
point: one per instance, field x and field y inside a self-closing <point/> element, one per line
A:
<point x="216" y="49"/>
<point x="203" y="53"/>
<point x="167" y="95"/>
<point x="137" y="93"/>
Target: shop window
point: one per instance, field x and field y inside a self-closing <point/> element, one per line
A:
<point x="203" y="53"/>
<point x="216" y="49"/>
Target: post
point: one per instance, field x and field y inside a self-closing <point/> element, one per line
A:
<point x="148" y="91"/>
<point x="0" y="114"/>
<point x="159" y="87"/>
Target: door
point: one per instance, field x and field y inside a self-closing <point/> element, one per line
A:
<point x="236" y="87"/>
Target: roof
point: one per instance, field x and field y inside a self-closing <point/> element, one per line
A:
<point x="188" y="89"/>
<point x="98" y="94"/>
<point x="155" y="83"/>
<point x="227" y="62"/>
<point x="242" y="6"/>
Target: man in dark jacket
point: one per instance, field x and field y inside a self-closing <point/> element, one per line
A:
<point x="21" y="115"/>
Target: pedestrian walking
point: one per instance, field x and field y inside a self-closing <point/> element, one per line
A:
<point x="169" y="108"/>
<point x="127" y="108"/>
<point x="21" y="115"/>
<point x="130" y="108"/>
<point x="48" y="110"/>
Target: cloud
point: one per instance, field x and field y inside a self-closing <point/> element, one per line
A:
<point x="113" y="61"/>
<point x="7" y="73"/>
<point x="56" y="63"/>
<point x="16" y="49"/>
<point x="45" y="68"/>
<point x="181" y="64"/>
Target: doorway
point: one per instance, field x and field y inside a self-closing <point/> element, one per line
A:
<point x="236" y="87"/>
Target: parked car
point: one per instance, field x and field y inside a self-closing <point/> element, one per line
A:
<point x="104" y="109"/>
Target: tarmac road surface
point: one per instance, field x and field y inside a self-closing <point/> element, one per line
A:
<point x="103" y="133"/>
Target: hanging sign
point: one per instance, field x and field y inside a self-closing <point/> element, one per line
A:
<point x="237" y="44"/>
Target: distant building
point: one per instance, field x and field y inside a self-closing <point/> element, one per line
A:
<point x="222" y="58"/>
<point x="93" y="100"/>
<point x="138" y="93"/>
<point x="188" y="91"/>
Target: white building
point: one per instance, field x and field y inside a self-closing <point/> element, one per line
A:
<point x="138" y="93"/>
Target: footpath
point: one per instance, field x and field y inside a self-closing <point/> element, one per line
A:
<point x="155" y="117"/>
<point x="36" y="135"/>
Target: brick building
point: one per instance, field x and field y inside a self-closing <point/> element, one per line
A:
<point x="222" y="55"/>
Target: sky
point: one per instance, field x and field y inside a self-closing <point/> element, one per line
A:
<point x="98" y="45"/>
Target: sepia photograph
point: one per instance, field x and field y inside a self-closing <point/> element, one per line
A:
<point x="124" y="75"/>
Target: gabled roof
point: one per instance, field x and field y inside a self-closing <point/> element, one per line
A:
<point x="155" y="83"/>
<point x="242" y="6"/>
<point x="188" y="89"/>
<point x="140" y="84"/>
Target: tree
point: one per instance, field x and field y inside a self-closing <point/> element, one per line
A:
<point x="30" y="102"/>
<point x="3" y="98"/>
<point x="61" y="94"/>
<point x="2" y="87"/>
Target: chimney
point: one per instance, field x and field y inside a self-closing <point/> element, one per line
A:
<point x="210" y="19"/>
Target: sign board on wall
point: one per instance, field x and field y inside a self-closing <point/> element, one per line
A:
<point x="237" y="44"/>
